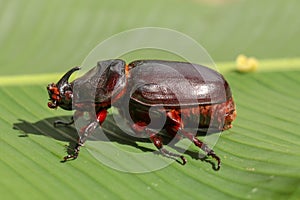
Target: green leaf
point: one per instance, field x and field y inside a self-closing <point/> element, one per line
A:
<point x="260" y="154"/>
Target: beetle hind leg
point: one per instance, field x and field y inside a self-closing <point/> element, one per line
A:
<point x="176" y="125"/>
<point x="204" y="148"/>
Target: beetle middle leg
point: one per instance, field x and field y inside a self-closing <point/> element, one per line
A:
<point x="176" y="125"/>
<point x="157" y="141"/>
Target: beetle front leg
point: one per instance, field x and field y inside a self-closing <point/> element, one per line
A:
<point x="85" y="132"/>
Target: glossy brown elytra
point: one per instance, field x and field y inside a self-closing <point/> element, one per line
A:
<point x="179" y="93"/>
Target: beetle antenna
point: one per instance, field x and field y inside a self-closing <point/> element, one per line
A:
<point x="66" y="77"/>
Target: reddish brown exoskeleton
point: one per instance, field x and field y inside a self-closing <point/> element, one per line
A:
<point x="182" y="94"/>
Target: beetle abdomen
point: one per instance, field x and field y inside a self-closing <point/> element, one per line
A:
<point x="215" y="117"/>
<point x="170" y="83"/>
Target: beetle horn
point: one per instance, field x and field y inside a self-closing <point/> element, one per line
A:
<point x="66" y="77"/>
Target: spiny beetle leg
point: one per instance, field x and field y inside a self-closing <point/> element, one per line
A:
<point x="85" y="132"/>
<point x="157" y="141"/>
<point x="177" y="125"/>
<point x="204" y="147"/>
<point x="139" y="127"/>
<point x="173" y="156"/>
<point x="74" y="154"/>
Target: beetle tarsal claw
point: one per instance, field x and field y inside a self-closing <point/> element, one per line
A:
<point x="219" y="163"/>
<point x="214" y="156"/>
<point x="69" y="157"/>
<point x="184" y="160"/>
<point x="73" y="154"/>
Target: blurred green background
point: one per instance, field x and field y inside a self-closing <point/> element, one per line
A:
<point x="50" y="36"/>
<point x="260" y="154"/>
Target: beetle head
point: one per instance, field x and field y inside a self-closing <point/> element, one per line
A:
<point x="61" y="93"/>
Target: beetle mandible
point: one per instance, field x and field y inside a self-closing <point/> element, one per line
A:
<point x="112" y="81"/>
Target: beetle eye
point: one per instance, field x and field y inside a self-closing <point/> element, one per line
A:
<point x="69" y="94"/>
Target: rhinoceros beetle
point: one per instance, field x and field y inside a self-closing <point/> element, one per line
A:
<point x="179" y="92"/>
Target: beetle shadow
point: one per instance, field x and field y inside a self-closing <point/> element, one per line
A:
<point x="196" y="156"/>
<point x="69" y="134"/>
<point x="45" y="127"/>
